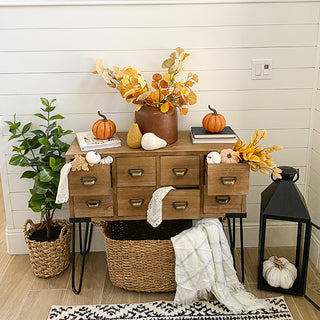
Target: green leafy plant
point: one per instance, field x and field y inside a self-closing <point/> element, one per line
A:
<point x="42" y="152"/>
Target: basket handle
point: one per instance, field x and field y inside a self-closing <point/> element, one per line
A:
<point x="64" y="231"/>
<point x="32" y="225"/>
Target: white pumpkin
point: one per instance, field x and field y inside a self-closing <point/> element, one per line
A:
<point x="150" y="141"/>
<point x="93" y="157"/>
<point x="279" y="272"/>
<point x="213" y="157"/>
<point x="106" y="160"/>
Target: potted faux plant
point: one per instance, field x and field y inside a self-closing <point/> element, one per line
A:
<point x="42" y="151"/>
<point x="155" y="105"/>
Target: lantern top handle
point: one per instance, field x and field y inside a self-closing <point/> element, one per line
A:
<point x="288" y="173"/>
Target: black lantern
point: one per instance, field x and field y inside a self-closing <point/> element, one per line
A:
<point x="282" y="200"/>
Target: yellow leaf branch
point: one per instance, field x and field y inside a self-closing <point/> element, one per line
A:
<point x="170" y="93"/>
<point x="256" y="155"/>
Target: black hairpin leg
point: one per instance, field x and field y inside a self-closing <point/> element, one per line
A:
<point x="84" y="250"/>
<point x="232" y="243"/>
<point x="232" y="236"/>
<point x="241" y="250"/>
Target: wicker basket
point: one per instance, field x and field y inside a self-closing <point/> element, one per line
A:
<point x="141" y="265"/>
<point x="48" y="259"/>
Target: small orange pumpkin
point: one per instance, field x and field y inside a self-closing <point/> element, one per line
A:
<point x="214" y="122"/>
<point x="103" y="128"/>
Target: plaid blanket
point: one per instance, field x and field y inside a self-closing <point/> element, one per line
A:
<point x="204" y="267"/>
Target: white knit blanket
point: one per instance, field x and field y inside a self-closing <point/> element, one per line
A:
<point x="204" y="266"/>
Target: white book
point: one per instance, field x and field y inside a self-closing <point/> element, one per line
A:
<point x="202" y="133"/>
<point x="87" y="141"/>
<point x="220" y="140"/>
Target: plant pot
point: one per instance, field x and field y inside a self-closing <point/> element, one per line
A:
<point x="48" y="259"/>
<point x="163" y="125"/>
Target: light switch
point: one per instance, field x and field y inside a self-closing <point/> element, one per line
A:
<point x="266" y="69"/>
<point x="258" y="70"/>
<point x="261" y="69"/>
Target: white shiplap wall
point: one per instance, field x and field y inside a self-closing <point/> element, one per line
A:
<point x="314" y="175"/>
<point x="49" y="51"/>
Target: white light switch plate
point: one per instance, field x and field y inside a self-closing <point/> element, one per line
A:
<point x="261" y="69"/>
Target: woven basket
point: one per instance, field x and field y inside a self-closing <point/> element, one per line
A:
<point x="140" y="265"/>
<point x="48" y="259"/>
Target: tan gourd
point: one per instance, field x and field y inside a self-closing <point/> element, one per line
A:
<point x="279" y="272"/>
<point x="134" y="137"/>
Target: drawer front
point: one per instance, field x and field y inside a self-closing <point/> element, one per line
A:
<point x="179" y="170"/>
<point x="227" y="179"/>
<point x="181" y="204"/>
<point x="93" y="206"/>
<point x="221" y="204"/>
<point x="134" y="201"/>
<point x="138" y="171"/>
<point x="96" y="181"/>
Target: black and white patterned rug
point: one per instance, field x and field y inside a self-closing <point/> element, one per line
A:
<point x="166" y="310"/>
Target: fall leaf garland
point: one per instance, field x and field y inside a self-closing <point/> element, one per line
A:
<point x="257" y="156"/>
<point x="168" y="93"/>
<point x="80" y="163"/>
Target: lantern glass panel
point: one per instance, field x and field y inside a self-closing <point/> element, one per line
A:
<point x="313" y="275"/>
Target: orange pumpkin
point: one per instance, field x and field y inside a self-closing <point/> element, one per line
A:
<point x="103" y="128"/>
<point x="213" y="122"/>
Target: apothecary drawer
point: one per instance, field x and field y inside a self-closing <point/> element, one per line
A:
<point x="96" y="181"/>
<point x="134" y="201"/>
<point x="179" y="170"/>
<point x="227" y="179"/>
<point x="93" y="206"/>
<point x="137" y="171"/>
<point x="221" y="204"/>
<point x="181" y="204"/>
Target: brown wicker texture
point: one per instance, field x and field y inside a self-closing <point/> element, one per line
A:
<point x="49" y="259"/>
<point x="140" y="265"/>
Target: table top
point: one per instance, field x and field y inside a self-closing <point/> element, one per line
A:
<point x="182" y="146"/>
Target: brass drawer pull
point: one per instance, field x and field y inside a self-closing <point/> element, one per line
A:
<point x="93" y="203"/>
<point x="222" y="199"/>
<point x="180" y="172"/>
<point x="136" y="172"/>
<point x="180" y="205"/>
<point x="88" y="181"/>
<point x="136" y="203"/>
<point x="228" y="180"/>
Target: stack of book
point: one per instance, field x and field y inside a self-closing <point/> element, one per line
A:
<point x="201" y="135"/>
<point x="87" y="141"/>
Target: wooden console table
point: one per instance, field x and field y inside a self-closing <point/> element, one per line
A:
<point x="122" y="190"/>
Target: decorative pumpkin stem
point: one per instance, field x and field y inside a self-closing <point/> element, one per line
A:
<point x="213" y="110"/>
<point x="278" y="263"/>
<point x="103" y="116"/>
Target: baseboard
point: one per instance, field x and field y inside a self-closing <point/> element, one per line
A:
<point x="17" y="245"/>
<point x="315" y="251"/>
<point x="277" y="235"/>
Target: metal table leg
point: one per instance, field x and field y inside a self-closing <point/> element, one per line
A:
<point x="84" y="250"/>
<point x="241" y="250"/>
<point x="231" y="239"/>
<point x="232" y="236"/>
